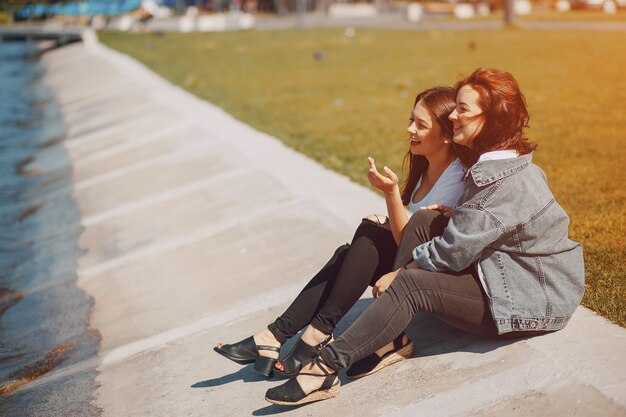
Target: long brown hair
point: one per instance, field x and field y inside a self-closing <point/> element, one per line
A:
<point x="440" y="102"/>
<point x="505" y="114"/>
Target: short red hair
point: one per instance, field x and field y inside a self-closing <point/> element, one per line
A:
<point x="504" y="111"/>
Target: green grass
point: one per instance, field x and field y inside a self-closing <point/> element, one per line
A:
<point x="356" y="100"/>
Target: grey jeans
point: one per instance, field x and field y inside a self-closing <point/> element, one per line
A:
<point x="455" y="297"/>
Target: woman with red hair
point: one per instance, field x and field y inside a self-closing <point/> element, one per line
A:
<point x="504" y="266"/>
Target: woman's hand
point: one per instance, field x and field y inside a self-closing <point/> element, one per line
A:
<point x="445" y="210"/>
<point x="384" y="282"/>
<point x="385" y="183"/>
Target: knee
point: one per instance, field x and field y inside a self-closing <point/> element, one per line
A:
<point x="422" y="218"/>
<point x="363" y="245"/>
<point x="369" y="228"/>
<point x="412" y="284"/>
<point x="427" y="223"/>
<point x="340" y="253"/>
<point x="376" y="218"/>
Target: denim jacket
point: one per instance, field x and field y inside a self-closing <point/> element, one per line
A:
<point x="510" y="224"/>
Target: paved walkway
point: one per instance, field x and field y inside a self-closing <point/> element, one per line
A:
<point x="398" y="20"/>
<point x="199" y="228"/>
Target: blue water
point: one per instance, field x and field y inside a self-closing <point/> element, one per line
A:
<point x="44" y="316"/>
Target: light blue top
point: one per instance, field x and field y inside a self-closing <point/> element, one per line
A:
<point x="446" y="191"/>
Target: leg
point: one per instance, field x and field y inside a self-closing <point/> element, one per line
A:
<point x="306" y="304"/>
<point x="335" y="289"/>
<point x="252" y="349"/>
<point x="457" y="296"/>
<point x="422" y="227"/>
<point x="370" y="254"/>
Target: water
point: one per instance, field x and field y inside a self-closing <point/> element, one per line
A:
<point x="44" y="316"/>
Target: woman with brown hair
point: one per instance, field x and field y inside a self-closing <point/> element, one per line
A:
<point x="504" y="266"/>
<point x="434" y="178"/>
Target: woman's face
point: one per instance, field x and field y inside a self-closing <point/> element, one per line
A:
<point x="424" y="132"/>
<point x="466" y="120"/>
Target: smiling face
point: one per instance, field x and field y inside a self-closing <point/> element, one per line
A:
<point x="425" y="134"/>
<point x="465" y="118"/>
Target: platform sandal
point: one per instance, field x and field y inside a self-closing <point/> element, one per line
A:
<point x="246" y="352"/>
<point x="298" y="357"/>
<point x="374" y="363"/>
<point x="290" y="393"/>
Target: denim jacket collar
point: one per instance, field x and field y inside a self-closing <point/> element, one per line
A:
<point x="487" y="172"/>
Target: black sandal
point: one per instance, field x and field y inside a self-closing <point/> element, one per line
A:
<point x="290" y="393"/>
<point x="374" y="363"/>
<point x="299" y="356"/>
<point x="246" y="352"/>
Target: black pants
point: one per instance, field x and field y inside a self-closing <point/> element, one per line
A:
<point x="341" y="282"/>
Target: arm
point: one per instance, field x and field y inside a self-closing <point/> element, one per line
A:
<point x="388" y="184"/>
<point x="397" y="214"/>
<point x="466" y="236"/>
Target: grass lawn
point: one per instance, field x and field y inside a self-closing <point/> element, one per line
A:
<point x="340" y="99"/>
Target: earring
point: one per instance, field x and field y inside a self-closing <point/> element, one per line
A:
<point x="446" y="141"/>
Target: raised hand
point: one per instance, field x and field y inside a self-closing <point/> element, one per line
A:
<point x="385" y="183"/>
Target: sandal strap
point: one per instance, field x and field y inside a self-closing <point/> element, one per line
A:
<point x="397" y="342"/>
<point x="329" y="378"/>
<point x="267" y="347"/>
<point x="324" y="342"/>
<point x="328" y="382"/>
<point x="318" y="361"/>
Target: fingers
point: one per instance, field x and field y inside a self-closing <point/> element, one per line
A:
<point x="372" y="164"/>
<point x="378" y="290"/>
<point x="436" y="207"/>
<point x="390" y="174"/>
<point x="445" y="210"/>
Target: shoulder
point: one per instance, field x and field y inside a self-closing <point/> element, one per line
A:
<point x="454" y="173"/>
<point x="450" y="186"/>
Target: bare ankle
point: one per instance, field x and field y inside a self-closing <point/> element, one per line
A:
<point x="312" y="336"/>
<point x="387" y="348"/>
<point x="267" y="338"/>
